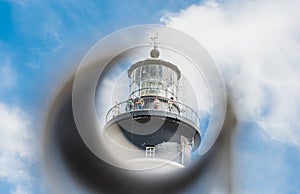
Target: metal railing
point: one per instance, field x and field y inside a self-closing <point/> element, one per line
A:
<point x="153" y="91"/>
<point x="177" y="108"/>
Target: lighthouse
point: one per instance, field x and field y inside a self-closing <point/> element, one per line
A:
<point x="153" y="129"/>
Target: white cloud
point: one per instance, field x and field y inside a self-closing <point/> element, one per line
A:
<point x="16" y="149"/>
<point x="256" y="44"/>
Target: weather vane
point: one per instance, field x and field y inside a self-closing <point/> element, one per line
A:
<point x="154" y="52"/>
<point x="154" y="40"/>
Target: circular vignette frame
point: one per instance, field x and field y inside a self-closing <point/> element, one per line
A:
<point x="99" y="56"/>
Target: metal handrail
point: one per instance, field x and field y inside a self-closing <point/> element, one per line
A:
<point x="155" y="89"/>
<point x="178" y="108"/>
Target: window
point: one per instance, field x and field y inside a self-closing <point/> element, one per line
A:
<point x="153" y="71"/>
<point x="160" y="71"/>
<point x="145" y="71"/>
<point x="137" y="74"/>
<point x="132" y="76"/>
<point x="150" y="152"/>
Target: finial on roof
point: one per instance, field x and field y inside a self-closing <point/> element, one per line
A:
<point x="154" y="53"/>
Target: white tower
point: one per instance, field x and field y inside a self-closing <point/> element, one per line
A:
<point x="162" y="131"/>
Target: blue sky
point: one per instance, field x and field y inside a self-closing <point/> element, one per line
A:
<point x="255" y="43"/>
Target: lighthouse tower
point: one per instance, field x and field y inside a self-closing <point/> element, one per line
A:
<point x="154" y="130"/>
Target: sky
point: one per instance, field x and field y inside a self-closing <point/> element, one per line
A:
<point x="255" y="44"/>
